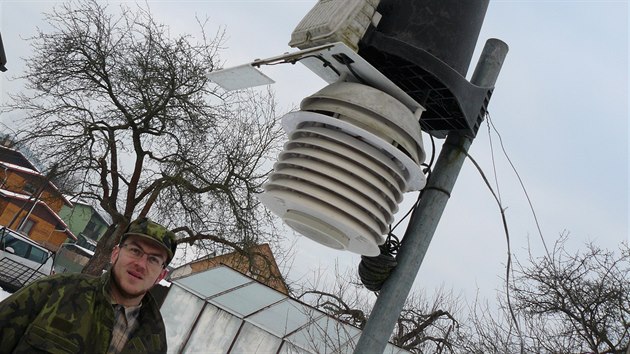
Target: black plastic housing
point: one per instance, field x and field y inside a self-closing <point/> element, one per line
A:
<point x="425" y="48"/>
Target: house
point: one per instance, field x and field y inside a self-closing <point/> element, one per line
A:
<point x="260" y="264"/>
<point x="85" y="221"/>
<point x="29" y="202"/>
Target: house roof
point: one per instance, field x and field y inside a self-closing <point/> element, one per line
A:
<point x="25" y="197"/>
<point x="33" y="172"/>
<point x="21" y="168"/>
<point x="16" y="157"/>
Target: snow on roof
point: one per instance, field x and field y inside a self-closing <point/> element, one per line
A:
<point x="15" y="195"/>
<point x="21" y="168"/>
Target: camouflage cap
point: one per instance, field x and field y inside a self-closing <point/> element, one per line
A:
<point x="144" y="227"/>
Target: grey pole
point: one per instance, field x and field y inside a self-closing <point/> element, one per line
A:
<point x="426" y="217"/>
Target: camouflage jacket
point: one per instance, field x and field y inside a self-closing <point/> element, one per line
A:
<point x="72" y="313"/>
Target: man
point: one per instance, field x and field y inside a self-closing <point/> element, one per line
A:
<point x="77" y="313"/>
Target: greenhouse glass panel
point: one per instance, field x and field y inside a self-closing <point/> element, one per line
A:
<point x="215" y="329"/>
<point x="288" y="348"/>
<point x="252" y="339"/>
<point x="179" y="319"/>
<point x="248" y="299"/>
<point x="348" y="348"/>
<point x="325" y="335"/>
<point x="284" y="317"/>
<point x="212" y="282"/>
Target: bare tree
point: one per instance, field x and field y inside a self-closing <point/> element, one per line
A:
<point x="565" y="303"/>
<point x="426" y="324"/>
<point x="120" y="104"/>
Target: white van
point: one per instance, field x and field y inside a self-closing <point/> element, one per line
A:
<point x="22" y="260"/>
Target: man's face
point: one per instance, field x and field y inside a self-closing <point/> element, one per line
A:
<point x="134" y="275"/>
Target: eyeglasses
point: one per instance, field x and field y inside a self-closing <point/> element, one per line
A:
<point x="137" y="253"/>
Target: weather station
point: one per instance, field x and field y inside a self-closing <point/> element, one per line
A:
<point x="394" y="69"/>
<point x="353" y="148"/>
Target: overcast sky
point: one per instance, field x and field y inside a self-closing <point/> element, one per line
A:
<point x="560" y="105"/>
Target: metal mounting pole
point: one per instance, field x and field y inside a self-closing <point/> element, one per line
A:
<point x="426" y="217"/>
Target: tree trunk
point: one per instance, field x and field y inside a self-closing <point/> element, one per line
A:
<point x="100" y="261"/>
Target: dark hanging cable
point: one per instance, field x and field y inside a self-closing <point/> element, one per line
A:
<point x="325" y="62"/>
<point x="347" y="61"/>
<point x="373" y="271"/>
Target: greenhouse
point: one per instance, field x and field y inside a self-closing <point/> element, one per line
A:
<point x="223" y="311"/>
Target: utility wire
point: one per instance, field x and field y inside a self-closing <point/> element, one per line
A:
<point x="494" y="165"/>
<point x="509" y="251"/>
<point x="325" y="62"/>
<point x="497" y="197"/>
<point x="531" y="206"/>
<point x="520" y="180"/>
<point x="529" y="201"/>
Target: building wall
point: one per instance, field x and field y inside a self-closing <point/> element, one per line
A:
<point x="24" y="183"/>
<point x="44" y="220"/>
<point x="43" y="230"/>
<point x="76" y="217"/>
<point x="7" y="211"/>
<point x="79" y="216"/>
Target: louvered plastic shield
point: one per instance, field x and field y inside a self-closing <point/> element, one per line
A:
<point x="352" y="153"/>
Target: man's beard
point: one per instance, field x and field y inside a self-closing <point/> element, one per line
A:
<point x="116" y="283"/>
